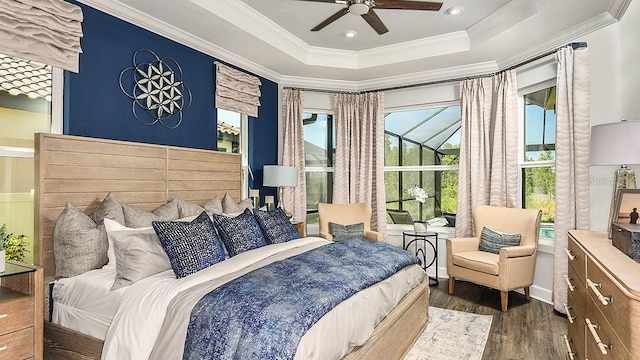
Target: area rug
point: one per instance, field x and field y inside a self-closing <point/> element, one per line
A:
<point x="452" y="335"/>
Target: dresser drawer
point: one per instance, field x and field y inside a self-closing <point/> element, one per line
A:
<point x="17" y="345"/>
<point x="617" y="311"/>
<point x="16" y="314"/>
<point x="577" y="259"/>
<point x="576" y="329"/>
<point x="606" y="334"/>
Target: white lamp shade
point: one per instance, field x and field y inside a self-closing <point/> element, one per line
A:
<point x="615" y="143"/>
<point x="276" y="175"/>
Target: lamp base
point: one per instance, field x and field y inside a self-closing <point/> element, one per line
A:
<point x="281" y="202"/>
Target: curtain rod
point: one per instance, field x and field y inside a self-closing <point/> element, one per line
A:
<point x="574" y="45"/>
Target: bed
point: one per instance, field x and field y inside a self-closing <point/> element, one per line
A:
<point x="84" y="170"/>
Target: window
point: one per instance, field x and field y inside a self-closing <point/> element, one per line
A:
<point x="232" y="138"/>
<point x="319" y="148"/>
<point x="25" y="108"/>
<point x="538" y="158"/>
<point x="422" y="148"/>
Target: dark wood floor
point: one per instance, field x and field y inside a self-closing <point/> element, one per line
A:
<point x="528" y="330"/>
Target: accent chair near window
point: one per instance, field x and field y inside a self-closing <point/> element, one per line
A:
<point x="346" y="214"/>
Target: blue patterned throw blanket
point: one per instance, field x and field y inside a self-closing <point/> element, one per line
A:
<point x="264" y="313"/>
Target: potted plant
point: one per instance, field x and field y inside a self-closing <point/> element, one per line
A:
<point x="12" y="247"/>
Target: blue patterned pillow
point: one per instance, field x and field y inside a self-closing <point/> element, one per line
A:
<point x="276" y="226"/>
<point x="240" y="233"/>
<point x="191" y="246"/>
<point x="341" y="232"/>
<point x="492" y="241"/>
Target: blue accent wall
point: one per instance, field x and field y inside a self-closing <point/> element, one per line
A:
<point x="95" y="106"/>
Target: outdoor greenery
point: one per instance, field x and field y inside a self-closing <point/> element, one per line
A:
<point x="540" y="188"/>
<point x="15" y="246"/>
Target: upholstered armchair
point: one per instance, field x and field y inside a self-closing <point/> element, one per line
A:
<point x="513" y="267"/>
<point x="346" y="214"/>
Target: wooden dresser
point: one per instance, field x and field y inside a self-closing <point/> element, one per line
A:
<point x="21" y="312"/>
<point x="603" y="305"/>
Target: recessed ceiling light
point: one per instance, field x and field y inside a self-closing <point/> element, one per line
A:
<point x="455" y="10"/>
<point x="350" y="33"/>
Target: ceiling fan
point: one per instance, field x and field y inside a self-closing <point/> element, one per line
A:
<point x="364" y="8"/>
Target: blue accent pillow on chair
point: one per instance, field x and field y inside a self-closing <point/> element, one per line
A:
<point x="492" y="241"/>
<point x="276" y="226"/>
<point x="240" y="233"/>
<point x="342" y="232"/>
<point x="190" y="246"/>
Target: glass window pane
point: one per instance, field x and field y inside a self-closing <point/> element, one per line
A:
<point x="410" y="154"/>
<point x="392" y="150"/>
<point x="392" y="186"/>
<point x="317" y="145"/>
<point x="540" y="125"/>
<point x="229" y="130"/>
<point x="539" y="191"/>
<point x="319" y="189"/>
<point x="449" y="191"/>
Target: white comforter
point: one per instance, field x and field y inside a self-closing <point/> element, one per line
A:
<point x="139" y="319"/>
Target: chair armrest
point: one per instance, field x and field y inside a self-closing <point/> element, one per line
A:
<point x="373" y="235"/>
<point x="517" y="251"/>
<point x="456" y="245"/>
<point x="326" y="236"/>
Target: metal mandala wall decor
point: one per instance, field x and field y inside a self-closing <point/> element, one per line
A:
<point x="157" y="89"/>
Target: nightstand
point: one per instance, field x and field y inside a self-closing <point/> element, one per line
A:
<point x="301" y="227"/>
<point x="21" y="311"/>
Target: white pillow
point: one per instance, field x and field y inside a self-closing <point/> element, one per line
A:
<point x="138" y="253"/>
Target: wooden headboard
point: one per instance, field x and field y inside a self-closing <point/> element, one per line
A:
<point x="82" y="171"/>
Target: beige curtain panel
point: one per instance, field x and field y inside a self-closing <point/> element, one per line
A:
<point x="237" y="91"/>
<point x="295" y="198"/>
<point x="45" y="31"/>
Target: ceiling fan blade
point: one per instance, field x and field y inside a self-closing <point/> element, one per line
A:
<point x="324" y="1"/>
<point x="372" y="18"/>
<point x="330" y="19"/>
<point x="408" y="5"/>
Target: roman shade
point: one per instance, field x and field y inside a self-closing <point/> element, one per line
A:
<point x="46" y="31"/>
<point x="237" y="91"/>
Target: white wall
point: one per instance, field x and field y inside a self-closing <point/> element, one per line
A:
<point x="615" y="85"/>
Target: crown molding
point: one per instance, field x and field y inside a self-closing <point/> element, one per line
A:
<point x="559" y="40"/>
<point x="152" y="24"/>
<point x="503" y="19"/>
<point x="413" y="79"/>
<point x="617" y="8"/>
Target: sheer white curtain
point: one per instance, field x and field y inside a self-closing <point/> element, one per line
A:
<point x="572" y="158"/>
<point x="295" y="198"/>
<point x="359" y="164"/>
<point x="488" y="168"/>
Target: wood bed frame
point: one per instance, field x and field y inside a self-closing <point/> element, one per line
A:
<point x="83" y="171"/>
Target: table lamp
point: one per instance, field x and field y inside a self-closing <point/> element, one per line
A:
<point x="616" y="144"/>
<point x="280" y="176"/>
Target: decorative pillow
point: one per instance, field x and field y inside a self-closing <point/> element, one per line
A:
<point x="79" y="244"/>
<point x="240" y="233"/>
<point x="135" y="217"/>
<point x="138" y="253"/>
<point x="342" y="232"/>
<point x="492" y="241"/>
<point x="229" y="206"/>
<point x="276" y="226"/>
<point x="190" y="246"/>
<point x="109" y="208"/>
<point x="186" y="208"/>
<point x="213" y="206"/>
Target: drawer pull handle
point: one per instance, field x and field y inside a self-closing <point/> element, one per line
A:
<point x="569" y="317"/>
<point x="605" y="300"/>
<point x="3" y="348"/>
<point x="2" y="316"/>
<point x="569" y="284"/>
<point x="570" y="255"/>
<point x="567" y="341"/>
<point x="593" y="327"/>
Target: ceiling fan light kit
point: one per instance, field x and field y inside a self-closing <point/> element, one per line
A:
<point x="365" y="8"/>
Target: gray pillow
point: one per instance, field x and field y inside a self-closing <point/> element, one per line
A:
<point x="213" y="206"/>
<point x="79" y="244"/>
<point x="109" y="208"/>
<point x="492" y="241"/>
<point x="342" y="232"/>
<point x="186" y="208"/>
<point x="229" y="206"/>
<point x="134" y="217"/>
<point x="138" y="251"/>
